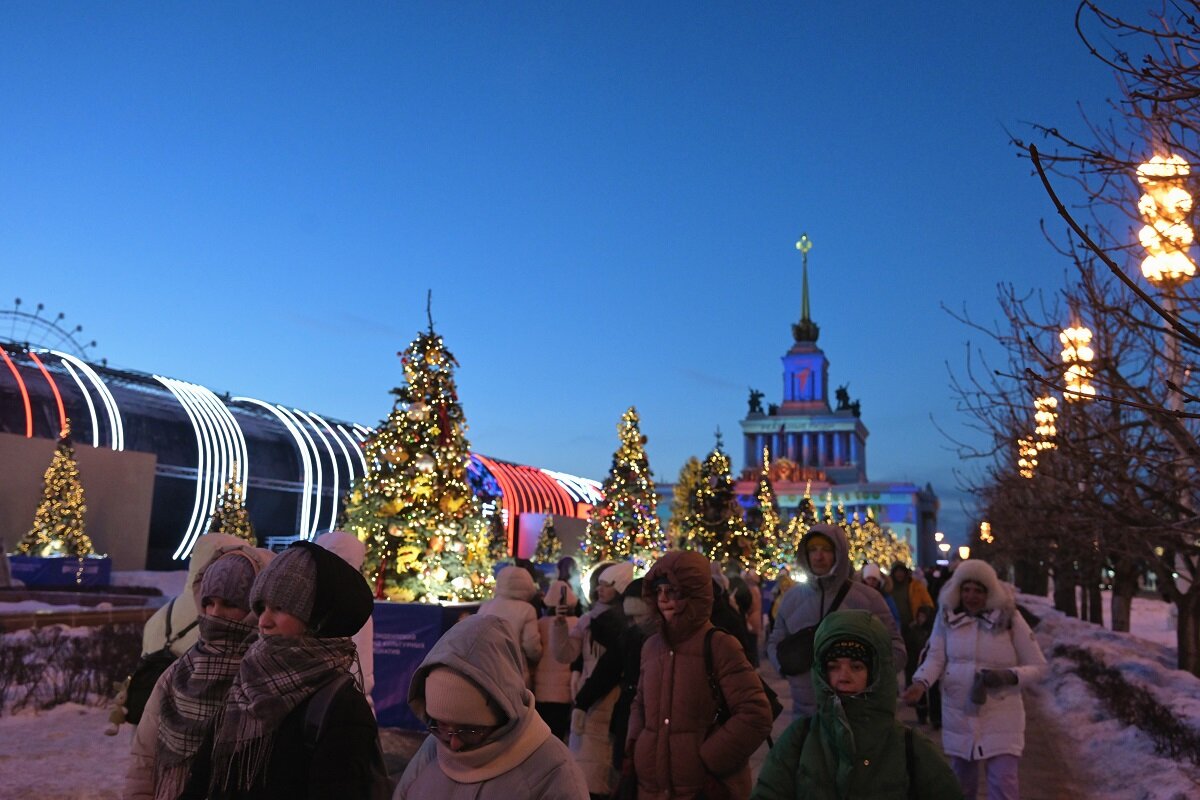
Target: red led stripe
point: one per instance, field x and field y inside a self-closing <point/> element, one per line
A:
<point x="62" y="411"/>
<point x="24" y="394"/>
<point x="507" y="490"/>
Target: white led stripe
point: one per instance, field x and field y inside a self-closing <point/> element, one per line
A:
<point x="88" y="397"/>
<point x="307" y="417"/>
<point x="315" y="488"/>
<point x="117" y="434"/>
<point x="345" y="454"/>
<point x="218" y="463"/>
<point x="235" y="442"/>
<point x="358" y="451"/>
<point x="584" y="488"/>
<point x="362" y="432"/>
<point x="305" y="459"/>
<point x="185" y="544"/>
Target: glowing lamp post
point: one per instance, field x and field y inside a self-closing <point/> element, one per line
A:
<point x="1077" y="354"/>
<point x="964" y="552"/>
<point x="1165" y="208"/>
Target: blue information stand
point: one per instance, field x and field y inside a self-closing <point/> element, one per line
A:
<point x="404" y="634"/>
<point x="61" y="570"/>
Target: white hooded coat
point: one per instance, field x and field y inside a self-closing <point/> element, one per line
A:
<point x="521" y="760"/>
<point x="807" y="603"/>
<point x="960" y="646"/>
<point x="184" y="610"/>
<point x="514" y="589"/>
<point x="347" y="547"/>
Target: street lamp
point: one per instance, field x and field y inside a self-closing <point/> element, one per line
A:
<point x="964" y="552"/>
<point x="1077" y="354"/>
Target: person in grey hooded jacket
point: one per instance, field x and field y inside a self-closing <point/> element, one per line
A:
<point x="825" y="557"/>
<point x="487" y="741"/>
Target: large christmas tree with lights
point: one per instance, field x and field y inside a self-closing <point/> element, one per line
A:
<point x="58" y="525"/>
<point x="230" y="515"/>
<point x="714" y="523"/>
<point x="549" y="546"/>
<point x="681" y="498"/>
<point x="770" y="548"/>
<point x="625" y="524"/>
<point x="427" y="539"/>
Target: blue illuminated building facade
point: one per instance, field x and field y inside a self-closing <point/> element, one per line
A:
<point x="821" y="449"/>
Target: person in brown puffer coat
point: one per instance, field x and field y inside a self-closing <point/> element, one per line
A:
<point x="681" y="749"/>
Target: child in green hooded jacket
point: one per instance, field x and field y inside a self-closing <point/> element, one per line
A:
<point x="853" y="748"/>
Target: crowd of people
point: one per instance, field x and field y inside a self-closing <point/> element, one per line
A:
<point x="635" y="688"/>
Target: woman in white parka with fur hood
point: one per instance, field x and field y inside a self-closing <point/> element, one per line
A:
<point x="983" y="651"/>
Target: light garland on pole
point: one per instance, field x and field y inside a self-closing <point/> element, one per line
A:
<point x="1165" y="208"/>
<point x="1044" y="417"/>
<point x="1077" y="354"/>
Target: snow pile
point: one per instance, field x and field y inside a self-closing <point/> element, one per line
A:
<point x="1119" y="760"/>
<point x="62" y="754"/>
<point x="169" y="583"/>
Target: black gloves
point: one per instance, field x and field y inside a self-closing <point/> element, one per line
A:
<point x="990" y="679"/>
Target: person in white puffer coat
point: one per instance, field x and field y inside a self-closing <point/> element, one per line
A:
<point x="512" y="603"/>
<point x="983" y="651"/>
<point x="350" y="549"/>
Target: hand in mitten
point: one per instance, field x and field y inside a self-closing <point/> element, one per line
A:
<point x="995" y="678"/>
<point x="578" y="718"/>
<point x="978" y="690"/>
<point x="117" y="711"/>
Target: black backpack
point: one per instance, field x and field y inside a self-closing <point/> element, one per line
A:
<point x="149" y="668"/>
<point x="315" y="717"/>
<point x="714" y="685"/>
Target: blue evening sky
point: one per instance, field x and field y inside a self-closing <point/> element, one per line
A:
<point x="604" y="198"/>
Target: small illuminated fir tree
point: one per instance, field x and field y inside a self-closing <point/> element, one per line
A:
<point x="681" y="497"/>
<point x="765" y="527"/>
<point x="714" y="523"/>
<point x="872" y="543"/>
<point x="427" y="539"/>
<point x="625" y="523"/>
<point x="230" y="515"/>
<point x="549" y="547"/>
<point x="58" y="524"/>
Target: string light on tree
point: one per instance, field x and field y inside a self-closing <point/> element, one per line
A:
<point x="230" y="515"/>
<point x="58" y="524"/>
<point x="1026" y="457"/>
<point x="427" y="539"/>
<point x="714" y="523"/>
<point x="985" y="533"/>
<point x="1077" y="354"/>
<point x="549" y="547"/>
<point x="765" y="527"/>
<point x="625" y="523"/>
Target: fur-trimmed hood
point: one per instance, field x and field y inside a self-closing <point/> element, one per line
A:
<point x="999" y="596"/>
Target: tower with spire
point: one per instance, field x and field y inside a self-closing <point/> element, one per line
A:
<point x="817" y="448"/>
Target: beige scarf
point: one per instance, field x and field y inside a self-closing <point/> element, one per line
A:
<point x="496" y="757"/>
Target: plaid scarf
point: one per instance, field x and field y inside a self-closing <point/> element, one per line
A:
<point x="277" y="674"/>
<point x="195" y="687"/>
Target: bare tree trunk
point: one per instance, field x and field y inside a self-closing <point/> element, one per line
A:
<point x="1188" y="635"/>
<point x="1125" y="583"/>
<point x="1031" y="577"/>
<point x="1064" y="591"/>
<point x="1092" y="590"/>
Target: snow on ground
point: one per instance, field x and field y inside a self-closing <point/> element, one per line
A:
<point x="63" y="753"/>
<point x="169" y="583"/>
<point x="1118" y="762"/>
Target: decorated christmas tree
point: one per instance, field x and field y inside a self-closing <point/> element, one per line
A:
<point x="714" y="524"/>
<point x="58" y="525"/>
<point x="625" y="524"/>
<point x="681" y="497"/>
<point x="872" y="543"/>
<point x="230" y="516"/>
<point x="549" y="547"/>
<point x="765" y="528"/>
<point x="427" y="539"/>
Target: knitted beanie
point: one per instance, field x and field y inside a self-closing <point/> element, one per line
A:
<point x="450" y="697"/>
<point x="618" y="575"/>
<point x="872" y="571"/>
<point x="229" y="578"/>
<point x="852" y="649"/>
<point x="288" y="583"/>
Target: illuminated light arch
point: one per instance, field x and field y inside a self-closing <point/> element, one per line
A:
<point x="362" y="431"/>
<point x="527" y="489"/>
<point x="315" y="488"/>
<point x="117" y="425"/>
<point x="185" y="546"/>
<point x="305" y="458"/>
<point x="62" y="411"/>
<point x="332" y="461"/>
<point x="357" y="445"/>
<point x="87" y="396"/>
<point x="233" y="439"/>
<point x="584" y="490"/>
<point x="24" y="393"/>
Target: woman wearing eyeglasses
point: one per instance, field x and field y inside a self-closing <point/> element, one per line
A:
<point x="486" y="738"/>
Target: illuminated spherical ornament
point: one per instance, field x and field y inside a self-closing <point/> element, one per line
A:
<point x="436" y="543"/>
<point x="395" y="530"/>
<point x="462" y="583"/>
<point x="433" y="355"/>
<point x="425" y="462"/>
<point x="417" y="410"/>
<point x="439" y="574"/>
<point x="395" y="456"/>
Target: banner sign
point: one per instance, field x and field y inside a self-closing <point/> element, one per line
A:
<point x="404" y="635"/>
<point x="61" y="570"/>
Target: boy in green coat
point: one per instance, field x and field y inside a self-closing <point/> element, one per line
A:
<point x="853" y="748"/>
